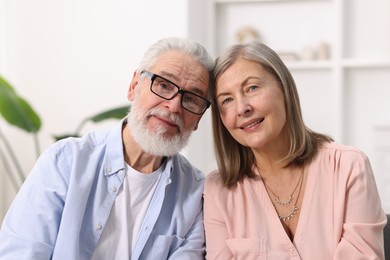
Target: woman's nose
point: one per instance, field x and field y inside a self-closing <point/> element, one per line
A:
<point x="243" y="108"/>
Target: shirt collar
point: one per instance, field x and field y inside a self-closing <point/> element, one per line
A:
<point x="114" y="158"/>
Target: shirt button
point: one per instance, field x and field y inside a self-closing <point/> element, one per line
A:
<point x="108" y="170"/>
<point x="121" y="172"/>
<point x="98" y="227"/>
<point x="113" y="189"/>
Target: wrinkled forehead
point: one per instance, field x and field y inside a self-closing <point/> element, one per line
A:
<point x="182" y="69"/>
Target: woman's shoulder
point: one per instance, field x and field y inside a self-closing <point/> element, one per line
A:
<point x="341" y="149"/>
<point x="336" y="154"/>
<point x="214" y="181"/>
<point x="214" y="177"/>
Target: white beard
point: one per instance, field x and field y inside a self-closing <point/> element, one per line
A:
<point x="155" y="142"/>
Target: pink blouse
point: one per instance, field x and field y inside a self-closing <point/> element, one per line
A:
<point x="341" y="214"/>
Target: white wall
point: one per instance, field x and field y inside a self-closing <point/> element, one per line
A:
<point x="71" y="59"/>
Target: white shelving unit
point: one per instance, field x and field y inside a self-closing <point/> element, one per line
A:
<point x="345" y="94"/>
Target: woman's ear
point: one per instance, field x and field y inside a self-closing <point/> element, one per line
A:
<point x="133" y="84"/>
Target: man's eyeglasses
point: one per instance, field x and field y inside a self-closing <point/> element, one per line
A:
<point x="167" y="90"/>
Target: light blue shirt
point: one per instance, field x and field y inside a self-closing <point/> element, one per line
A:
<point x="62" y="207"/>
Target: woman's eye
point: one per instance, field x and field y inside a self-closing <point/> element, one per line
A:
<point x="252" y="88"/>
<point x="226" y="101"/>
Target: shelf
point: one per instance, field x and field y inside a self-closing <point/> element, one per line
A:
<point x="261" y="1"/>
<point x="358" y="63"/>
<point x="308" y="65"/>
<point x="347" y="64"/>
<point x="262" y="21"/>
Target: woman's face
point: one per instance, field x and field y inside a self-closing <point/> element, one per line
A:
<point x="251" y="104"/>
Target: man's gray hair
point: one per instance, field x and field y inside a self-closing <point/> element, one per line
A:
<point x="193" y="48"/>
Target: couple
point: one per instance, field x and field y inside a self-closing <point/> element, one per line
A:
<point x="281" y="191"/>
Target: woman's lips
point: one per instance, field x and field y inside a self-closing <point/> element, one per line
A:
<point x="251" y="123"/>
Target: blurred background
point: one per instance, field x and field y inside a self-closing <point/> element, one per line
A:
<point x="72" y="59"/>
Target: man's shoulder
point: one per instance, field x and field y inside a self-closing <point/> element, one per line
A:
<point x="89" y="140"/>
<point x="89" y="148"/>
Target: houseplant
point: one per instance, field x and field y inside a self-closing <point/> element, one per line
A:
<point x="17" y="112"/>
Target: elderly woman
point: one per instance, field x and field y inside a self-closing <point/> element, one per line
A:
<point x="282" y="191"/>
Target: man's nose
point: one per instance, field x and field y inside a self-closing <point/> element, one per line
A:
<point x="175" y="103"/>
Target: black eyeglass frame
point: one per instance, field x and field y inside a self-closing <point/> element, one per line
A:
<point x="181" y="91"/>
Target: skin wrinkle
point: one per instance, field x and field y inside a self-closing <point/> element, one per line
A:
<point x="148" y="125"/>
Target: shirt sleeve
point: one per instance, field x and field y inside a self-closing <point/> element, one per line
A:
<point x="30" y="227"/>
<point x="362" y="230"/>
<point x="215" y="226"/>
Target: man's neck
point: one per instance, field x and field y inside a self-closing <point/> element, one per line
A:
<point x="136" y="157"/>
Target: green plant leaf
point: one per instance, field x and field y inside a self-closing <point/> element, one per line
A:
<point x="115" y="113"/>
<point x="16" y="110"/>
<point x="60" y="137"/>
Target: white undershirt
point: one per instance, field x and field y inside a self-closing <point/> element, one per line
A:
<point x="121" y="230"/>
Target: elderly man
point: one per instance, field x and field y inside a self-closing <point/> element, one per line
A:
<point x="126" y="193"/>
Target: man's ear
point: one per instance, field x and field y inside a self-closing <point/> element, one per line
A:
<point x="133" y="84"/>
<point x="196" y="124"/>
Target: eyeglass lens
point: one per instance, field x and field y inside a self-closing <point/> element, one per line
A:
<point x="168" y="90"/>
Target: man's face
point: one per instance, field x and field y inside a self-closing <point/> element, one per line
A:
<point x="160" y="126"/>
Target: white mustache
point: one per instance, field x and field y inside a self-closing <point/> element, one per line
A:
<point x="173" y="117"/>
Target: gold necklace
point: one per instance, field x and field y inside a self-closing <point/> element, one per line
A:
<point x="295" y="208"/>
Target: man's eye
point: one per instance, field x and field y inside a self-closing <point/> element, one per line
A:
<point x="165" y="85"/>
<point x="189" y="99"/>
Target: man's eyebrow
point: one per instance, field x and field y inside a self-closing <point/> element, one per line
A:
<point x="198" y="91"/>
<point x="171" y="77"/>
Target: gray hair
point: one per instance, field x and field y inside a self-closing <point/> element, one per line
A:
<point x="193" y="48"/>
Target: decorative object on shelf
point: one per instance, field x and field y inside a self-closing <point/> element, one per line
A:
<point x="289" y="56"/>
<point x="320" y="51"/>
<point x="248" y="34"/>
<point x="323" y="51"/>
<point x="308" y="53"/>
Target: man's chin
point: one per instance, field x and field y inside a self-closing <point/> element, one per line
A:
<point x="166" y="145"/>
<point x="167" y="133"/>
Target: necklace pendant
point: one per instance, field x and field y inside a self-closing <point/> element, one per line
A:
<point x="291" y="215"/>
<point x="284" y="203"/>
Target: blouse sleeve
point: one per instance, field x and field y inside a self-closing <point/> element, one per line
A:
<point x="364" y="218"/>
<point x="215" y="226"/>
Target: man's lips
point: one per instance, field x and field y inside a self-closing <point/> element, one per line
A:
<point x="251" y="123"/>
<point x="166" y="121"/>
